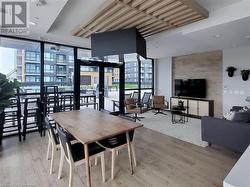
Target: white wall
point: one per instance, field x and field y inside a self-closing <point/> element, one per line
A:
<point x="235" y="89"/>
<point x="163" y="77"/>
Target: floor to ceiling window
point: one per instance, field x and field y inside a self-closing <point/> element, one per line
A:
<point x="59" y="67"/>
<point x="83" y="54"/>
<point x="131" y="71"/>
<point x="146" y="75"/>
<point x="21" y="60"/>
<point x="138" y="75"/>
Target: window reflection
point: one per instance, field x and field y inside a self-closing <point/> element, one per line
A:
<point x="21" y="60"/>
<point x="59" y="67"/>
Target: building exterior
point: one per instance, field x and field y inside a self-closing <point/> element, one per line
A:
<point x="90" y="77"/>
<point x="132" y="76"/>
<point x="59" y="70"/>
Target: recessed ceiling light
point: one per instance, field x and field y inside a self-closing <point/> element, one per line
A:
<point x="32" y="23"/>
<point x="218" y="35"/>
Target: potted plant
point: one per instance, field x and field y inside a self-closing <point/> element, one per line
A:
<point x="230" y="70"/>
<point x="6" y="91"/>
<point x="245" y="74"/>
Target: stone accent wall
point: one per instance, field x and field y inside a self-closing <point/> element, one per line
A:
<point x="209" y="66"/>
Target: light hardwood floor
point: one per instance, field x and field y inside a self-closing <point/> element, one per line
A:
<point x="162" y="161"/>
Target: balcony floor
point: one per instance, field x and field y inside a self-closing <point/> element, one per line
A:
<point x="162" y="161"/>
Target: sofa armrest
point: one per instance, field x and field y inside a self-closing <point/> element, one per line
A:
<point x="230" y="134"/>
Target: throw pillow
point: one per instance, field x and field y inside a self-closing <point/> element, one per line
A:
<point x="236" y="108"/>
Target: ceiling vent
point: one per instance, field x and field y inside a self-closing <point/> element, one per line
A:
<point x="40" y="2"/>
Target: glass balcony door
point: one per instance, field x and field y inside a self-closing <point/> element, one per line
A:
<point x="101" y="84"/>
<point x="89" y="86"/>
<point x="111" y="89"/>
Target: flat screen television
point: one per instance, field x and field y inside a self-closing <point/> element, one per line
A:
<point x="196" y="88"/>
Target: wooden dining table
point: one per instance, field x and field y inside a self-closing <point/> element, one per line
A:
<point x="88" y="126"/>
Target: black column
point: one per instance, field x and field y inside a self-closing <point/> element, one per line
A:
<point x="42" y="71"/>
<point x="139" y="77"/>
<point x="122" y="85"/>
<point x="101" y="87"/>
<point x="153" y="77"/>
<point x="77" y="76"/>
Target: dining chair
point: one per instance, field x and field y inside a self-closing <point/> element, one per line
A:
<point x="31" y="116"/>
<point x="11" y="122"/>
<point x="115" y="144"/>
<point x="67" y="102"/>
<point x="51" y="98"/>
<point x="75" y="156"/>
<point x="2" y="118"/>
<point x="53" y="143"/>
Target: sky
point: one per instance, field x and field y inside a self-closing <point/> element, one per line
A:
<point x="6" y="60"/>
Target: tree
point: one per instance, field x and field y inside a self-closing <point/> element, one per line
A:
<point x="6" y="90"/>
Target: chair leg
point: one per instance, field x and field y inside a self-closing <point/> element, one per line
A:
<point x="112" y="163"/>
<point x="71" y="173"/>
<point x="136" y="117"/>
<point x="19" y="128"/>
<point x="48" y="150"/>
<point x="133" y="153"/>
<point x="24" y="128"/>
<point x="1" y="133"/>
<point x="52" y="160"/>
<point x="61" y="164"/>
<point x="96" y="161"/>
<point x="117" y="152"/>
<point x="103" y="167"/>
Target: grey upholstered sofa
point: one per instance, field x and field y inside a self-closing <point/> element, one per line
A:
<point x="230" y="134"/>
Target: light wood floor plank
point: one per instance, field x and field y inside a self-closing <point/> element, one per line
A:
<point x="162" y="161"/>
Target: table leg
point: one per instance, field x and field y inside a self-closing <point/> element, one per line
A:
<point x="94" y="102"/>
<point x="87" y="165"/>
<point x="129" y="153"/>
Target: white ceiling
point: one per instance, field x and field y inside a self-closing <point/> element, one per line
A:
<point x="224" y="36"/>
<point x="228" y="18"/>
<point x="212" y="5"/>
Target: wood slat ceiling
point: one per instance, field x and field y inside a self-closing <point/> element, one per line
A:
<point x="148" y="16"/>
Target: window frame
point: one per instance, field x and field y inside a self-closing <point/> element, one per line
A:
<point x="75" y="64"/>
<point x="140" y="89"/>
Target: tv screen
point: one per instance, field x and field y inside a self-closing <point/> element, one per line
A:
<point x="191" y="88"/>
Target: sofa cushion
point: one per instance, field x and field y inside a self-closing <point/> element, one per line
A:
<point x="242" y="117"/>
<point x="236" y="108"/>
